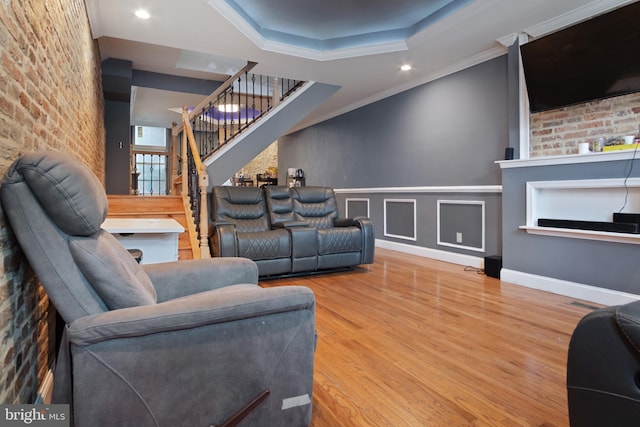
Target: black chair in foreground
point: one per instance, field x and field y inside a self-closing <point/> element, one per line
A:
<point x="603" y="368"/>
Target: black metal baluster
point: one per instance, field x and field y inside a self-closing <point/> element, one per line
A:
<point x="246" y="100"/>
<point x="254" y="104"/>
<point x="151" y="174"/>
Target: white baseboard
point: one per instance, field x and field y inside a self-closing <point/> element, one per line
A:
<point x="446" y="256"/>
<point x="566" y="288"/>
<point x="542" y="283"/>
<point x="46" y="389"/>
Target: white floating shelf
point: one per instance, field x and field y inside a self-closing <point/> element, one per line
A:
<point x="583" y="234"/>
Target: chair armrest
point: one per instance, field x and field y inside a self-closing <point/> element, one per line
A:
<point x="601" y="369"/>
<point x="214" y="350"/>
<point x="181" y="278"/>
<point x="628" y="317"/>
<point x="220" y="306"/>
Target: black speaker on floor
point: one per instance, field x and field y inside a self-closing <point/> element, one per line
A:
<point x="493" y="265"/>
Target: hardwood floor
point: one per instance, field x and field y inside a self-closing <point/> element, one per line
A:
<point x="410" y="341"/>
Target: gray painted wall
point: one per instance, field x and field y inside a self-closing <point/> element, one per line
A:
<point x="446" y="132"/>
<point x="602" y="264"/>
<point x="117" y="146"/>
<point x="426" y="220"/>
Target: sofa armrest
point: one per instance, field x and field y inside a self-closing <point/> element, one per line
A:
<point x="368" y="239"/>
<point x="181" y="278"/>
<point x="223" y="240"/>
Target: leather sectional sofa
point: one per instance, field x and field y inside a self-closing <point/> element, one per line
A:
<point x="287" y="230"/>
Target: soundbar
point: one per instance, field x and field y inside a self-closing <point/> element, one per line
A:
<point x="613" y="227"/>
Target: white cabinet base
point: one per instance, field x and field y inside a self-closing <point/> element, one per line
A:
<point x="156" y="238"/>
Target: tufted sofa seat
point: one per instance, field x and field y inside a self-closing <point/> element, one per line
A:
<point x="303" y="220"/>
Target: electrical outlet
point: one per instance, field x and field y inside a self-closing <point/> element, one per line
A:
<point x="458" y="237"/>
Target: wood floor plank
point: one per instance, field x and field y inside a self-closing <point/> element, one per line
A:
<point x="409" y="341"/>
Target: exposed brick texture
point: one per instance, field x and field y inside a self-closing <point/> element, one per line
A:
<point x="268" y="158"/>
<point x="558" y="132"/>
<point x="50" y="98"/>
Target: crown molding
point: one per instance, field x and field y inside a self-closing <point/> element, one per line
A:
<point x="575" y="16"/>
<point x="261" y="42"/>
<point x="508" y="40"/>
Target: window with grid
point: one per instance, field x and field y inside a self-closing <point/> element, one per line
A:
<point x="150" y="160"/>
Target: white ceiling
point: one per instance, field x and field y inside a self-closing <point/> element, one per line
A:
<point x="207" y="39"/>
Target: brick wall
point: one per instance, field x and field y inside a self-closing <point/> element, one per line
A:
<point x="558" y="132"/>
<point x="50" y="98"/>
<point x="266" y="159"/>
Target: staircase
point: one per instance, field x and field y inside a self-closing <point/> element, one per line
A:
<point x="229" y="128"/>
<point x="223" y="162"/>
<point x="155" y="207"/>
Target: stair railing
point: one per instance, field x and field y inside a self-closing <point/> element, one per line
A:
<point x="195" y="182"/>
<point x="234" y="106"/>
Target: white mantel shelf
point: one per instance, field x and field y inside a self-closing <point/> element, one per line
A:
<point x="609" y="156"/>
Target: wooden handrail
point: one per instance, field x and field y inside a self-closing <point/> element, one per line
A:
<point x="186" y="124"/>
<point x="203" y="181"/>
<point x="209" y="99"/>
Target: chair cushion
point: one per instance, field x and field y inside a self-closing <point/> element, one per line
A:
<point x="264" y="244"/>
<point x="112" y="271"/>
<point x="68" y="191"/>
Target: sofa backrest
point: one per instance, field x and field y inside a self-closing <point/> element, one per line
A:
<point x="316" y="206"/>
<point x="244" y="207"/>
<point x="279" y="204"/>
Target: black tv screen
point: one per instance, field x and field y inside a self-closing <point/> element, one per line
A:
<point x="595" y="59"/>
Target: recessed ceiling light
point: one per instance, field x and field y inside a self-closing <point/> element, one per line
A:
<point x="405" y="67"/>
<point x="142" y="14"/>
<point x="229" y="108"/>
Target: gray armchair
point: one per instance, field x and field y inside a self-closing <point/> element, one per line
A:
<point x="189" y="343"/>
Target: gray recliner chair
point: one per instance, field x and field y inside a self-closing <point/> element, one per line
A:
<point x="189" y="343"/>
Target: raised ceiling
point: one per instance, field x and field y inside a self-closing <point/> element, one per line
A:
<point x="205" y="39"/>
<point x="336" y="24"/>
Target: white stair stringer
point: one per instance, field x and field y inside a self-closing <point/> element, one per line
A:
<point x="222" y="164"/>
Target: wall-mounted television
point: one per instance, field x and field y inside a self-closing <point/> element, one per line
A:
<point x="598" y="58"/>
